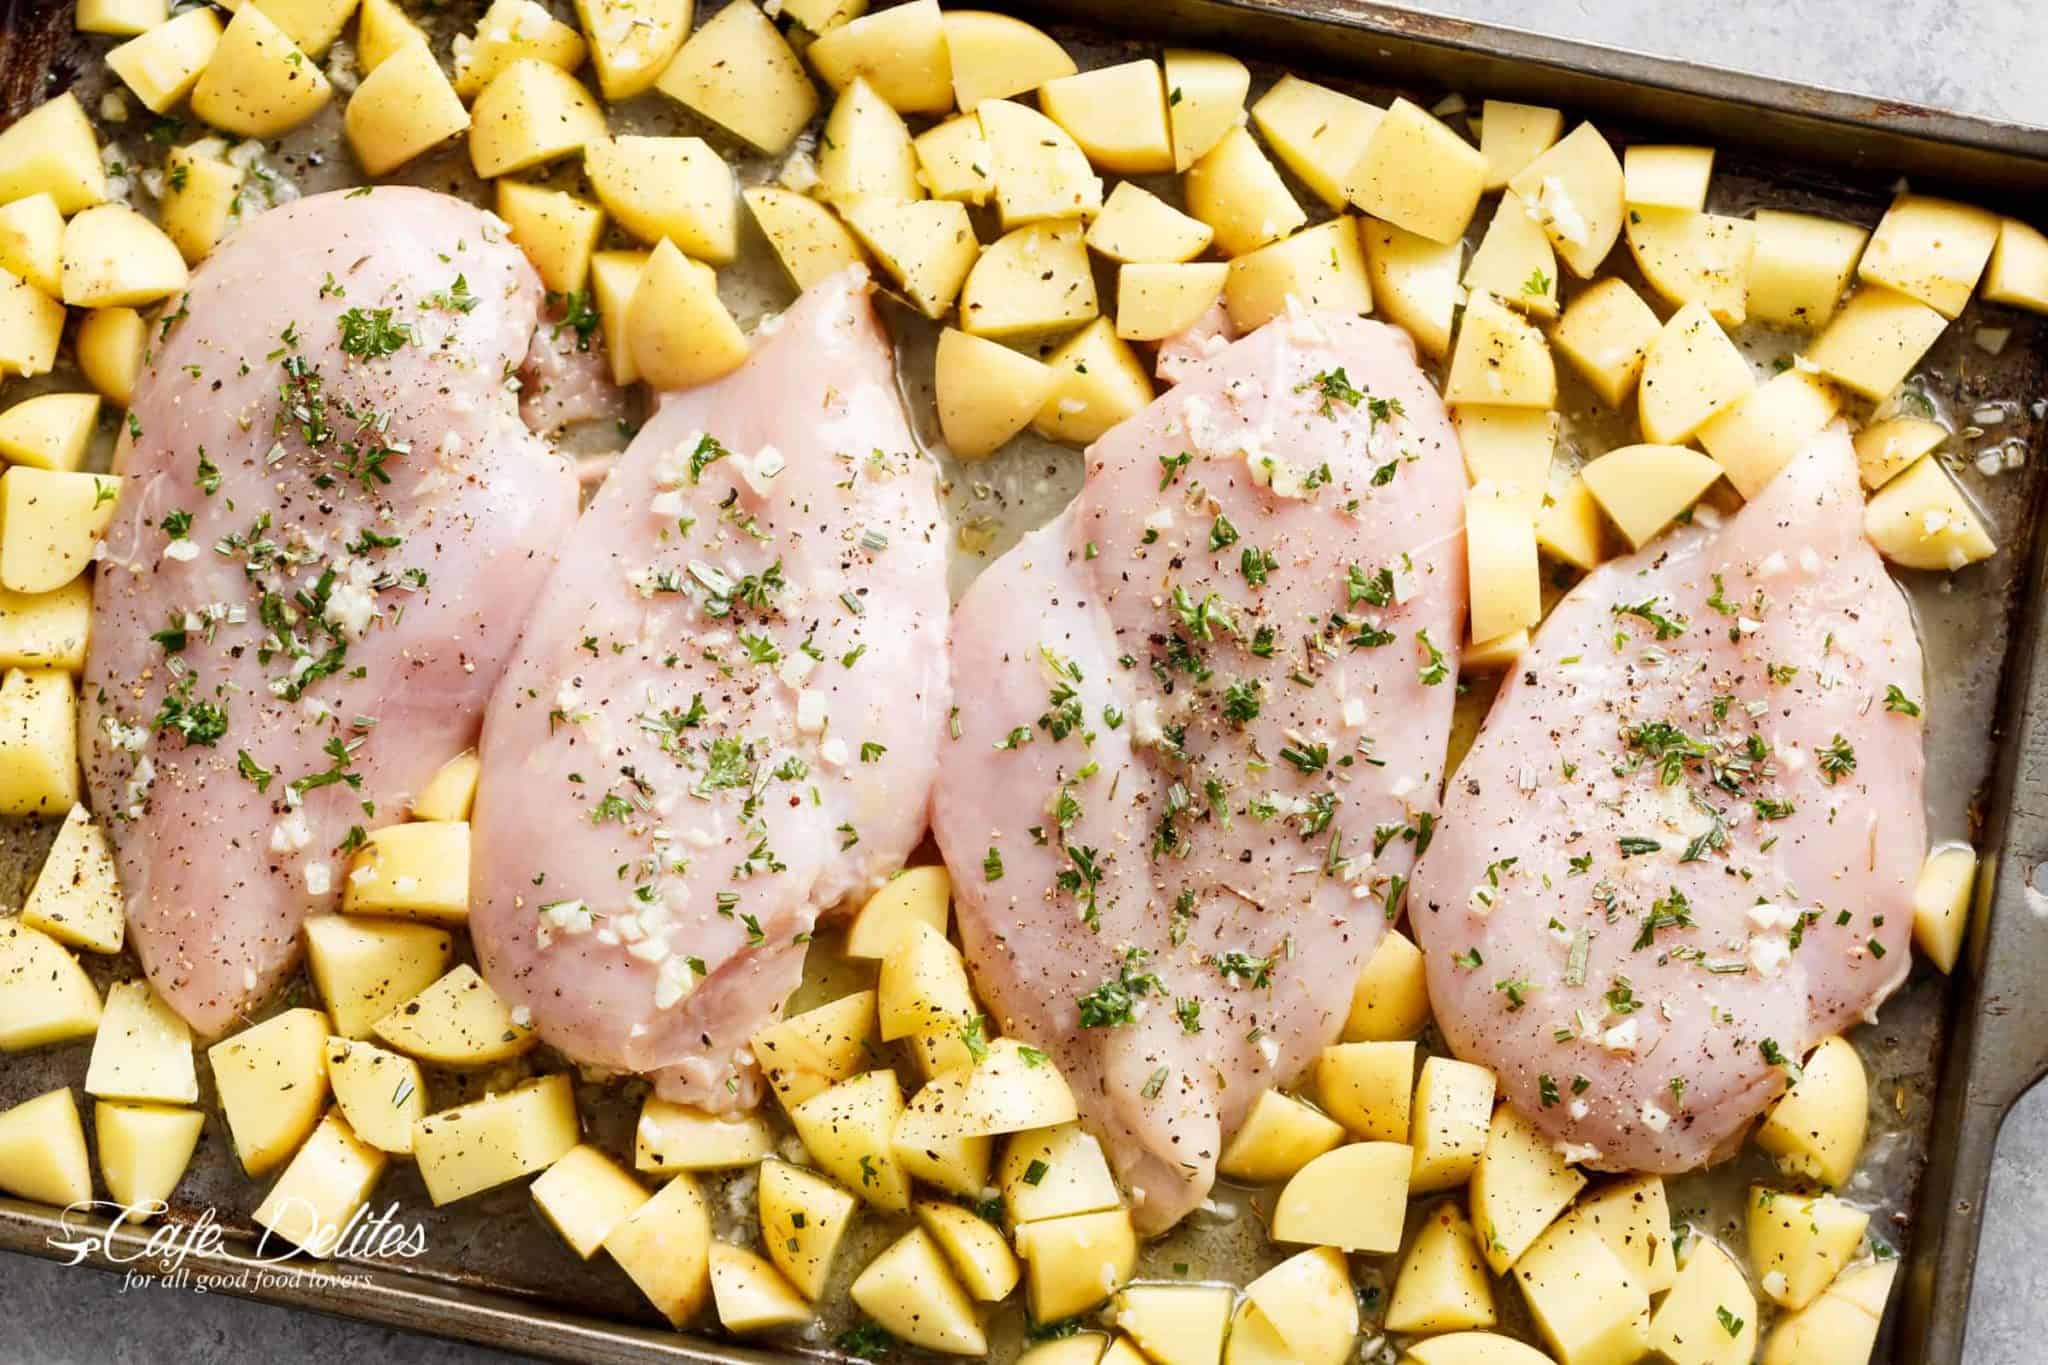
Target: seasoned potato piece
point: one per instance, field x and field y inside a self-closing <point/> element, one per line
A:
<point x="1576" y="189"/>
<point x="1236" y="191"/>
<point x="1507" y="590"/>
<point x="1277" y="1138"/>
<point x="673" y="187"/>
<point x="530" y="113"/>
<point x="632" y="43"/>
<point x="1084" y="1348"/>
<point x="1495" y="655"/>
<point x="1519" y="1186"/>
<point x="1605" y="334"/>
<point x="811" y="244"/>
<point x="114" y="257"/>
<point x="867" y="150"/>
<point x="272" y="1082"/>
<point x="1875" y="340"/>
<point x="1116" y="114"/>
<point x="750" y="1294"/>
<point x="109" y="344"/>
<point x="403" y="108"/>
<point x="1840" y="1327"/>
<point x="1643" y="488"/>
<point x="52" y="150"/>
<point x="512" y="31"/>
<point x="2018" y="273"/>
<point x="1633" y="1217"/>
<point x="451" y="791"/>
<point x="1474" y="1348"/>
<point x="381" y="1094"/>
<point x="1015" y="1087"/>
<point x="1513" y="135"/>
<point x="980" y="1257"/>
<point x="739" y="72"/>
<point x="120" y="17"/>
<point x="1309" y="1302"/>
<point x="848" y="1130"/>
<point x="362" y="967"/>
<point x="1388" y="181"/>
<point x="953" y="161"/>
<point x="1930" y="249"/>
<point x="31" y="325"/>
<point x="902" y="51"/>
<point x="1666" y="177"/>
<point x="1319" y="268"/>
<point x="1449" y="1123"/>
<point x="201" y="191"/>
<point x="77" y="896"/>
<point x="664" y="1246"/>
<point x="32" y="241"/>
<point x="985" y="392"/>
<point x="677" y="1137"/>
<point x="809" y="1052"/>
<point x="1176" y="1322"/>
<point x="1586" y="1304"/>
<point x="328" y="1181"/>
<point x="1391" y="1000"/>
<point x="459" y="1021"/>
<point x="994" y="56"/>
<point x="1076" y="1262"/>
<point x="1941" y="903"/>
<point x="819" y="15"/>
<point x="1099" y="382"/>
<point x="1031" y="280"/>
<point x="1922" y="520"/>
<point x="144" y="1150"/>
<point x="1353" y="1198"/>
<point x="1798" y="1243"/>
<point x="45" y="996"/>
<point x="1816" y="1128"/>
<point x="38" y="741"/>
<point x="1800" y="267"/>
<point x="935" y="1140"/>
<point x="1136" y="225"/>
<point x="1692" y="257"/>
<point x="382" y="28"/>
<point x="142" y="1051"/>
<point x="803" y="1218"/>
<point x="585" y="1195"/>
<point x="49" y="431"/>
<point x="927" y="246"/>
<point x="258" y="83"/>
<point x="1040" y="172"/>
<point x="1442" y="1285"/>
<point x="923" y="989"/>
<point x="916" y="893"/>
<point x="501" y="1137"/>
<point x="1253" y="1340"/>
<point x="1514" y="260"/>
<point x="312" y="24"/>
<point x="1318" y="133"/>
<point x="1760" y="433"/>
<point x="1367" y="1087"/>
<point x="1690" y="372"/>
<point x="1501" y="359"/>
<point x="420" y="871"/>
<point x="678" y="331"/>
<point x="911" y="1292"/>
<point x="1204" y="100"/>
<point x="1885" y="449"/>
<point x="1413" y="282"/>
<point x="162" y="65"/>
<point x="1054" y="1172"/>
<point x="1509" y="449"/>
<point x="42" y="1151"/>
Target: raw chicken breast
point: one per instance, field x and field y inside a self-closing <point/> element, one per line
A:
<point x="1202" y="727"/>
<point x="1683" y="848"/>
<point x="332" y="526"/>
<point x="726" y="714"/>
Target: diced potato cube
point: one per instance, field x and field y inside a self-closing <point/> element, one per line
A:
<point x="1310" y="1304"/>
<point x="120" y="17"/>
<point x="31" y="325"/>
<point x="677" y="1137"/>
<point x="1237" y="192"/>
<point x="1367" y="1087"/>
<point x="312" y="24"/>
<point x="144" y="1150"/>
<point x="1391" y="1000"/>
<point x="921" y="893"/>
<point x="1442" y="1285"/>
<point x="77" y="896"/>
<point x="1605" y="334"/>
<point x="1800" y="267"/>
<point x="632" y="43"/>
<point x="382" y="28"/>
<point x="811" y="244"/>
<point x="901" y="51"/>
<point x="664" y="1246"/>
<point x="1099" y="382"/>
<point x="557" y="231"/>
<point x="1353" y="1198"/>
<point x="1576" y="189"/>
<point x="739" y="72"/>
<point x="1176" y="1322"/>
<point x="1519" y="1186"/>
<point x="935" y="1142"/>
<point x="485" y="1143"/>
<point x="1277" y="1138"/>
<point x="584" y="1196"/>
<point x="678" y="331"/>
<point x="420" y="871"/>
<point x="1759" y="434"/>
<point x="38" y="741"/>
<point x="1875" y="340"/>
<point x="1475" y="1348"/>
<point x="328" y="1181"/>
<point x="673" y="187"/>
<point x="1040" y="171"/>
<point x="1501" y="359"/>
<point x="1590" y="1310"/>
<point x="2018" y="273"/>
<point x="381" y="1094"/>
<point x="512" y="31"/>
<point x="49" y="431"/>
<point x="1513" y="135"/>
<point x="994" y="56"/>
<point x="1816" y="1128"/>
<point x="803" y="1219"/>
<point x="1692" y="257"/>
<point x="1159" y="301"/>
<point x="1643" y="488"/>
<point x="1930" y="249"/>
<point x="450" y="792"/>
<point x="1888" y="448"/>
<point x="109" y="344"/>
<point x="1076" y="1262"/>
<point x="162" y="65"/>
<point x="1691" y="371"/>
<point x="1449" y="1123"/>
<point x="1839" y="1327"/>
<point x="403" y="108"/>
<point x="272" y="1082"/>
<point x="115" y="257"/>
<point x="1083" y="1348"/>
<point x="459" y="1021"/>
<point x="32" y="241"/>
<point x="143" y="1050"/>
<point x="848" y="1130"/>
<point x="975" y="1247"/>
<point x="45" y="996"/>
<point x="1798" y="1243"/>
<point x="50" y="520"/>
<point x="1413" y="281"/>
<point x="201" y="192"/>
<point x="1253" y="1341"/>
<point x="51" y="150"/>
<point x="1666" y="177"/>
<point x="1633" y="1217"/>
<point x="986" y="393"/>
<point x="1116" y="114"/>
<point x="1032" y="280"/>
<point x="809" y="1052"/>
<point x="364" y="967"/>
<point x="258" y="83"/>
<point x="1922" y="520"/>
<point x="532" y="112"/>
<point x="46" y="630"/>
<point x="1507" y="589"/>
<point x="1417" y="174"/>
<point x="1054" y="1173"/>
<point x="868" y="152"/>
<point x="1514" y="260"/>
<point x="1509" y="449"/>
<point x="1318" y="133"/>
<point x="923" y="989"/>
<point x="1321" y="269"/>
<point x="1495" y="655"/>
<point x="909" y="1290"/>
<point x="1941" y="903"/>
<point x="927" y="247"/>
<point x="750" y="1294"/>
<point x="42" y="1151"/>
<point x="953" y="161"/>
<point x="1014" y="1087"/>
<point x="1204" y="100"/>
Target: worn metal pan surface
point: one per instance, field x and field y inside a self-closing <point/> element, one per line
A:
<point x="1948" y="1057"/>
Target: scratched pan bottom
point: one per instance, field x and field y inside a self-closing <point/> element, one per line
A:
<point x="1944" y="1063"/>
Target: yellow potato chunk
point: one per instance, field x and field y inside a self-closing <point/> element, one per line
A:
<point x="32" y="241"/>
<point x="750" y="1294"/>
<point x="45" y="996"/>
<point x="201" y="193"/>
<point x="1495" y="655"/>
<point x="77" y="896"/>
<point x="1054" y="1173"/>
<point x="1667" y="177"/>
<point x="584" y="1196"/>
<point x="1318" y="133"/>
<point x="459" y="1021"/>
<point x="381" y="1094"/>
<point x="258" y="83"/>
<point x="1390" y="1002"/>
<point x="403" y="108"/>
<point x="532" y="112"/>
<point x="1014" y="1087"/>
<point x="49" y="431"/>
<point x="1175" y="1322"/>
<point x="1076" y="1262"/>
<point x="121" y="17"/>
<point x="1040" y="172"/>
<point x="935" y="1142"/>
<point x="868" y="152"/>
<point x="114" y="257"/>
<point x="1084" y="1348"/>
<point x="1449" y="1123"/>
<point x="1501" y="359"/>
<point x="809" y="1052"/>
<point x="1353" y="1198"/>
<point x="1692" y="257"/>
<point x="420" y="871"/>
<point x="1800" y="266"/>
<point x="1367" y="1087"/>
<point x="1690" y="372"/>
<point x="953" y="161"/>
<point x="142" y="1051"/>
<point x="2018" y="273"/>
<point x="1475" y="1348"/>
<point x="1888" y="448"/>
<point x="811" y="244"/>
<point x="1816" y="1128"/>
<point x="1442" y="1285"/>
<point x="38" y="741"/>
<point x="487" y="1142"/>
<point x="975" y="1248"/>
<point x="848" y="1130"/>
<point x="1204" y="100"/>
<point x="631" y="42"/>
<point x="664" y="1246"/>
<point x="1921" y="520"/>
<point x="1099" y="381"/>
<point x="678" y="331"/>
<point x="803" y="1219"/>
<point x="1588" y="1308"/>
<point x="677" y="1137"/>
<point x="1417" y="174"/>
<point x="917" y="893"/>
<point x="923" y="990"/>
<point x="1930" y="249"/>
<point x="162" y="65"/>
<point x="31" y="325"/>
<point x="901" y="51"/>
<point x="1633" y="1217"/>
<point x="42" y="1151"/>
<point x="1413" y="282"/>
<point x="1941" y="903"/>
<point x="1515" y="261"/>
<point x="312" y="24"/>
<point x="994" y="56"/>
<point x="1277" y="1138"/>
<point x="1519" y="1186"/>
<point x="1115" y="114"/>
<point x="144" y="1150"/>
<point x="909" y="1290"/>
<point x="1575" y="188"/>
<point x="1513" y="135"/>
<point x="1643" y="488"/>
<point x="1507" y="590"/>
<point x="109" y="344"/>
<point x="1875" y="340"/>
<point x="1237" y="192"/>
<point x="1308" y="1301"/>
<point x="450" y="792"/>
<point x="1839" y="1327"/>
<point x="52" y="150"/>
<point x="673" y="187"/>
<point x="927" y="247"/>
<point x="382" y="28"/>
<point x="363" y="967"/>
<point x="272" y="1082"/>
<point x="1605" y="333"/>
<point x="1253" y="1340"/>
<point x="985" y="392"/>
<point x="512" y="31"/>
<point x="1029" y="281"/>
<point x="1319" y="269"/>
<point x="1798" y="1243"/>
<point x="1758" y="436"/>
<point x="1508" y="449"/>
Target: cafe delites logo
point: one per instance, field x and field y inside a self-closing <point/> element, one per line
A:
<point x="201" y="1254"/>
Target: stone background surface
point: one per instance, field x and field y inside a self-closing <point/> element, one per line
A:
<point x="1977" y="56"/>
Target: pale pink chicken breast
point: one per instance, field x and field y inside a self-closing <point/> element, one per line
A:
<point x="1682" y="850"/>
<point x="726" y="714"/>
<point x="1203" y="718"/>
<point x="332" y="525"/>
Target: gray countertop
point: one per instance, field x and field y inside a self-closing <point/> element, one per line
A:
<point x="1979" y="56"/>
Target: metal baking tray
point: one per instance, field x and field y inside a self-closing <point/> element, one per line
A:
<point x="1948" y="1056"/>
